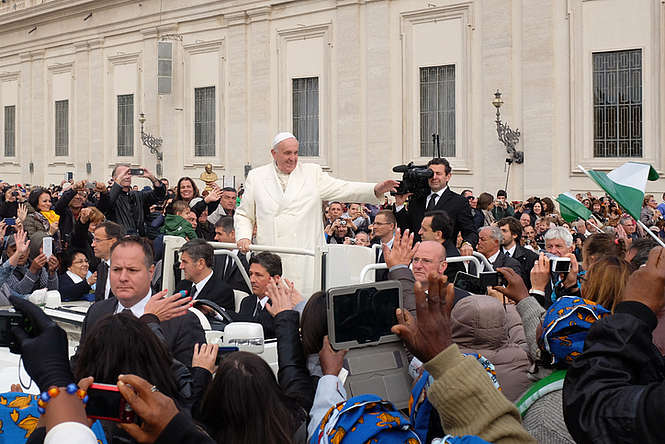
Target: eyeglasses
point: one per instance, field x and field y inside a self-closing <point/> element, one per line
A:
<point x="470" y="197"/>
<point x="423" y="261"/>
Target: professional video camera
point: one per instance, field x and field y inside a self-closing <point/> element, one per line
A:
<point x="414" y="179"/>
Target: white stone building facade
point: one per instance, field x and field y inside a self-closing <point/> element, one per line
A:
<point x="583" y="80"/>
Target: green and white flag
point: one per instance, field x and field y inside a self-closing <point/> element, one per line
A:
<point x="626" y="184"/>
<point x="571" y="208"/>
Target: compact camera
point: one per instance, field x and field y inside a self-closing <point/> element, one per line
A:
<point x="558" y="264"/>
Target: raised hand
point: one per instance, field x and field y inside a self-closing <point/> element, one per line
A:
<point x="22" y="212"/>
<point x="154" y="408"/>
<point x="213" y="195"/>
<point x="52" y="264"/>
<point x="38" y="263"/>
<point x="331" y="361"/>
<point x="280" y="297"/>
<point x="515" y="290"/>
<point x="385" y="186"/>
<point x="647" y="283"/>
<point x="168" y="307"/>
<point x="430" y="334"/>
<point x="205" y="356"/>
<point x="540" y="273"/>
<point x="402" y="251"/>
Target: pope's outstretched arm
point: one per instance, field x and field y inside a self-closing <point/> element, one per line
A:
<point x="331" y="188"/>
<point x="245" y="215"/>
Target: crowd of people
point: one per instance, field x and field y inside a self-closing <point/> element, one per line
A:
<point x="551" y="357"/>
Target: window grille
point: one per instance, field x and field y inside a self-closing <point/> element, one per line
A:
<point x="62" y="127"/>
<point x="204" y="121"/>
<point x="306" y="115"/>
<point x="10" y="131"/>
<point x="126" y="125"/>
<point x="617" y="103"/>
<point x="437" y="109"/>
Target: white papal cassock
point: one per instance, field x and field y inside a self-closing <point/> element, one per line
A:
<point x="293" y="217"/>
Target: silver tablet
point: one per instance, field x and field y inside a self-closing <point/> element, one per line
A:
<point x="363" y="314"/>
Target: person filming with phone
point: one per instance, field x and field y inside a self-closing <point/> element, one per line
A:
<point x="127" y="207"/>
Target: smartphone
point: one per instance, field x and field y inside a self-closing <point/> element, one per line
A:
<point x="223" y="351"/>
<point x="136" y="171"/>
<point x="69" y="175"/>
<point x="469" y="282"/>
<point x="492" y="279"/>
<point x="10" y="221"/>
<point x="105" y="402"/>
<point x="47" y="246"/>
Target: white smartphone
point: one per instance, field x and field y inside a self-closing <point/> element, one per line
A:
<point x="47" y="246"/>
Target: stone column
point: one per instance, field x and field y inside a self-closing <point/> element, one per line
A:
<point x="97" y="154"/>
<point x="80" y="120"/>
<point x="238" y="149"/>
<point x="258" y="91"/>
<point x="348" y="135"/>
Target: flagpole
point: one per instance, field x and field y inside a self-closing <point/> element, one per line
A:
<point x="659" y="240"/>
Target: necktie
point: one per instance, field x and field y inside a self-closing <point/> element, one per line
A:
<point x="192" y="292"/>
<point x="432" y="202"/>
<point x="507" y="253"/>
<point x="127" y="311"/>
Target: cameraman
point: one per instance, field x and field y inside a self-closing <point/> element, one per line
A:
<point x="441" y="197"/>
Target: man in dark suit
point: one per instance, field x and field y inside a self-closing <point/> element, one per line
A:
<point x="384" y="231"/>
<point x="441" y="197"/>
<point x="106" y="234"/>
<point x="201" y="282"/>
<point x="168" y="316"/>
<point x="437" y="226"/>
<point x="226" y="265"/>
<point x="489" y="245"/>
<point x="262" y="268"/>
<point x="512" y="233"/>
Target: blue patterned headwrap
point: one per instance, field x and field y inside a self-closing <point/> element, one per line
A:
<point x="566" y="325"/>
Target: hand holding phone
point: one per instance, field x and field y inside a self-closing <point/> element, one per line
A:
<point x="105" y="402"/>
<point x="154" y="408"/>
<point x="136" y="171"/>
<point x="47" y="246"/>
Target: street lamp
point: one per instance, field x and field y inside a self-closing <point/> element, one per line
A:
<point x="152" y="143"/>
<point x="507" y="136"/>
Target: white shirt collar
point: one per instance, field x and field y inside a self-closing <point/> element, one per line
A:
<point x="440" y="192"/>
<point x="139" y="308"/>
<point x="512" y="250"/>
<point x="202" y="283"/>
<point x="107" y="288"/>
<point x="493" y="257"/>
<point x="263" y="301"/>
<point x="74" y="277"/>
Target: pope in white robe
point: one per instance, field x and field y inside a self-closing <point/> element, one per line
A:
<point x="284" y="198"/>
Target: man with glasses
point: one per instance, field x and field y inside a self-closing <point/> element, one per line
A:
<point x="384" y="233"/>
<point x="106" y="234"/>
<point x="629" y="226"/>
<point x="425" y="257"/>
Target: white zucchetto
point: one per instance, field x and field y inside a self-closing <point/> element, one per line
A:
<point x="281" y="137"/>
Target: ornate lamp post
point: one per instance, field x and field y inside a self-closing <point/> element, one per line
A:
<point x="152" y="143"/>
<point x="507" y="135"/>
